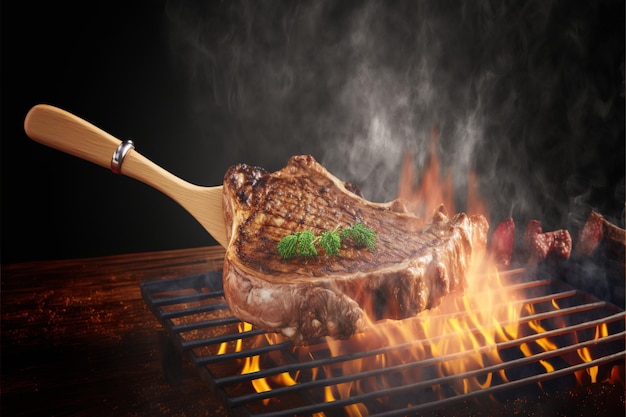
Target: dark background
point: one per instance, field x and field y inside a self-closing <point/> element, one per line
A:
<point x="530" y="95"/>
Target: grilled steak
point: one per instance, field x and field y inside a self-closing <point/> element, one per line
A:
<point x="414" y="265"/>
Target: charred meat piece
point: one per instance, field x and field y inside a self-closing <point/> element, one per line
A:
<point x="590" y="235"/>
<point x="541" y="245"/>
<point x="502" y="242"/>
<point x="414" y="265"/>
<point x="598" y="230"/>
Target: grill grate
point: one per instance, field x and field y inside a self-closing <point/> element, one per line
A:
<point x="199" y="324"/>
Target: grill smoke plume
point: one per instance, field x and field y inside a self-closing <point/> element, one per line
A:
<point x="530" y="95"/>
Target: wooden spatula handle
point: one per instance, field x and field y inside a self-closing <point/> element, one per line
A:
<point x="66" y="132"/>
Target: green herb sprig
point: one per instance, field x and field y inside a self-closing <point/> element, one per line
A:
<point x="360" y="235"/>
<point x="305" y="243"/>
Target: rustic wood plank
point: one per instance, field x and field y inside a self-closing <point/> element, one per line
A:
<point x="77" y="338"/>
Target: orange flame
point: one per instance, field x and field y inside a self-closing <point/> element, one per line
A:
<point x="464" y="329"/>
<point x="590" y="373"/>
<point x="424" y="199"/>
<point x="252" y="364"/>
<point x="434" y="190"/>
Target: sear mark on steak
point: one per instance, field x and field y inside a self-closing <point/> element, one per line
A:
<point x="415" y="263"/>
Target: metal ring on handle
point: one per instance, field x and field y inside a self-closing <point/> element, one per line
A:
<point x="120" y="154"/>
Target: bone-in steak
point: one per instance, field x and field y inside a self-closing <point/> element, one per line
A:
<point x="414" y="265"/>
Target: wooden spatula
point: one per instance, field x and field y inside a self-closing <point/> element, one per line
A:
<point x="66" y="132"/>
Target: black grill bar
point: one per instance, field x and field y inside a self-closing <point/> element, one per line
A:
<point x="185" y="299"/>
<point x="219" y="339"/>
<point x="355" y="399"/>
<point x="425" y="362"/>
<point x="404" y="346"/>
<point x="243" y="354"/>
<point x="180" y="328"/>
<point x="441" y="359"/>
<point x="505" y="387"/>
<point x="316" y="408"/>
<point x="192" y="310"/>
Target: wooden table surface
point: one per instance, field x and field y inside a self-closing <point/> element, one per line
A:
<point x="78" y="339"/>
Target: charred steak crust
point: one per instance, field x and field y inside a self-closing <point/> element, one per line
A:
<point x="414" y="265"/>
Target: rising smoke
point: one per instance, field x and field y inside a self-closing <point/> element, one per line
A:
<point x="530" y="95"/>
